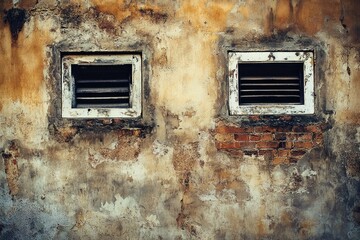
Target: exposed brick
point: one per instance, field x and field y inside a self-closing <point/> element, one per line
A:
<point x="227" y="145"/>
<point x="284" y="129"/>
<point x="314" y="128"/>
<point x="233" y="129"/>
<point x="318" y="139"/>
<point x="305" y="145"/>
<point x="255" y="137"/>
<point x="280" y="160"/>
<point x="265" y="129"/>
<point x="298" y="129"/>
<point x="266" y="152"/>
<point x="242" y="137"/>
<point x="280" y="136"/>
<point x="251" y="152"/>
<point x="267" y="137"/>
<point x="297" y="152"/>
<point x="235" y="152"/>
<point x="267" y="144"/>
<point x="283" y="152"/>
<point x="246" y="145"/>
<point x="291" y="136"/>
<point x="305" y="136"/>
<point x="286" y="118"/>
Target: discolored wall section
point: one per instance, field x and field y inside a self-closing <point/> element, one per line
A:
<point x="185" y="169"/>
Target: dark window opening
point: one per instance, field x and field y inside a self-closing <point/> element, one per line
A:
<point x="102" y="86"/>
<point x="271" y="83"/>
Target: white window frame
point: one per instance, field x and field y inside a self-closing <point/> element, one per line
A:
<point x="305" y="57"/>
<point x="68" y="86"/>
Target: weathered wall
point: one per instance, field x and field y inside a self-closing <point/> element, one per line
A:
<point x="186" y="169"/>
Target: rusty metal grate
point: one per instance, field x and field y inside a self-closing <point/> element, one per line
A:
<point x="271" y="83"/>
<point x="102" y="86"/>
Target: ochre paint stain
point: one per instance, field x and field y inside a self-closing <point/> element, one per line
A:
<point x="312" y="14"/>
<point x="209" y="16"/>
<point x="283" y="14"/>
<point x="21" y="74"/>
<point x="123" y="11"/>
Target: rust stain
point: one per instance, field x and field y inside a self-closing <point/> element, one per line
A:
<point x="269" y="23"/>
<point x="28" y="4"/>
<point x="21" y="74"/>
<point x="283" y="14"/>
<point x="352" y="112"/>
<point x="312" y="14"/>
<point x="123" y="11"/>
<point x="204" y="15"/>
<point x="351" y="19"/>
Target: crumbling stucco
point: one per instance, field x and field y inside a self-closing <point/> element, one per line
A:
<point x="164" y="176"/>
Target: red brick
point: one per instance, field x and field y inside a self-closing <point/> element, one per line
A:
<point x="291" y="136"/>
<point x="233" y="129"/>
<point x="255" y="137"/>
<point x="235" y="152"/>
<point x="228" y="145"/>
<point x="247" y="145"/>
<point x="286" y="118"/>
<point x="267" y="144"/>
<point x="318" y="139"/>
<point x="266" y="152"/>
<point x="305" y="145"/>
<point x="313" y="128"/>
<point x="242" y="137"/>
<point x="280" y="136"/>
<point x="305" y="136"/>
<point x="284" y="129"/>
<point x="297" y="152"/>
<point x="265" y="129"/>
<point x="283" y="152"/>
<point x="298" y="129"/>
<point x="280" y="160"/>
<point x="267" y="137"/>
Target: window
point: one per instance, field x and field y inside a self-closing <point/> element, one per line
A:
<point x="101" y="86"/>
<point x="271" y="83"/>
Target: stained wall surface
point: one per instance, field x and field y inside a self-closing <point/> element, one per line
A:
<point x="186" y="169"/>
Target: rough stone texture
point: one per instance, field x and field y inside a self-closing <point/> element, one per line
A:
<point x="186" y="169"/>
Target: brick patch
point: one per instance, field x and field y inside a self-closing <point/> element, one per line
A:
<point x="281" y="145"/>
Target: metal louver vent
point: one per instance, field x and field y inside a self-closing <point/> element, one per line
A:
<point x="271" y="83"/>
<point x="102" y="86"/>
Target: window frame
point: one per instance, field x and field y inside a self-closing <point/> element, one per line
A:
<point x="68" y="86"/>
<point x="305" y="57"/>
